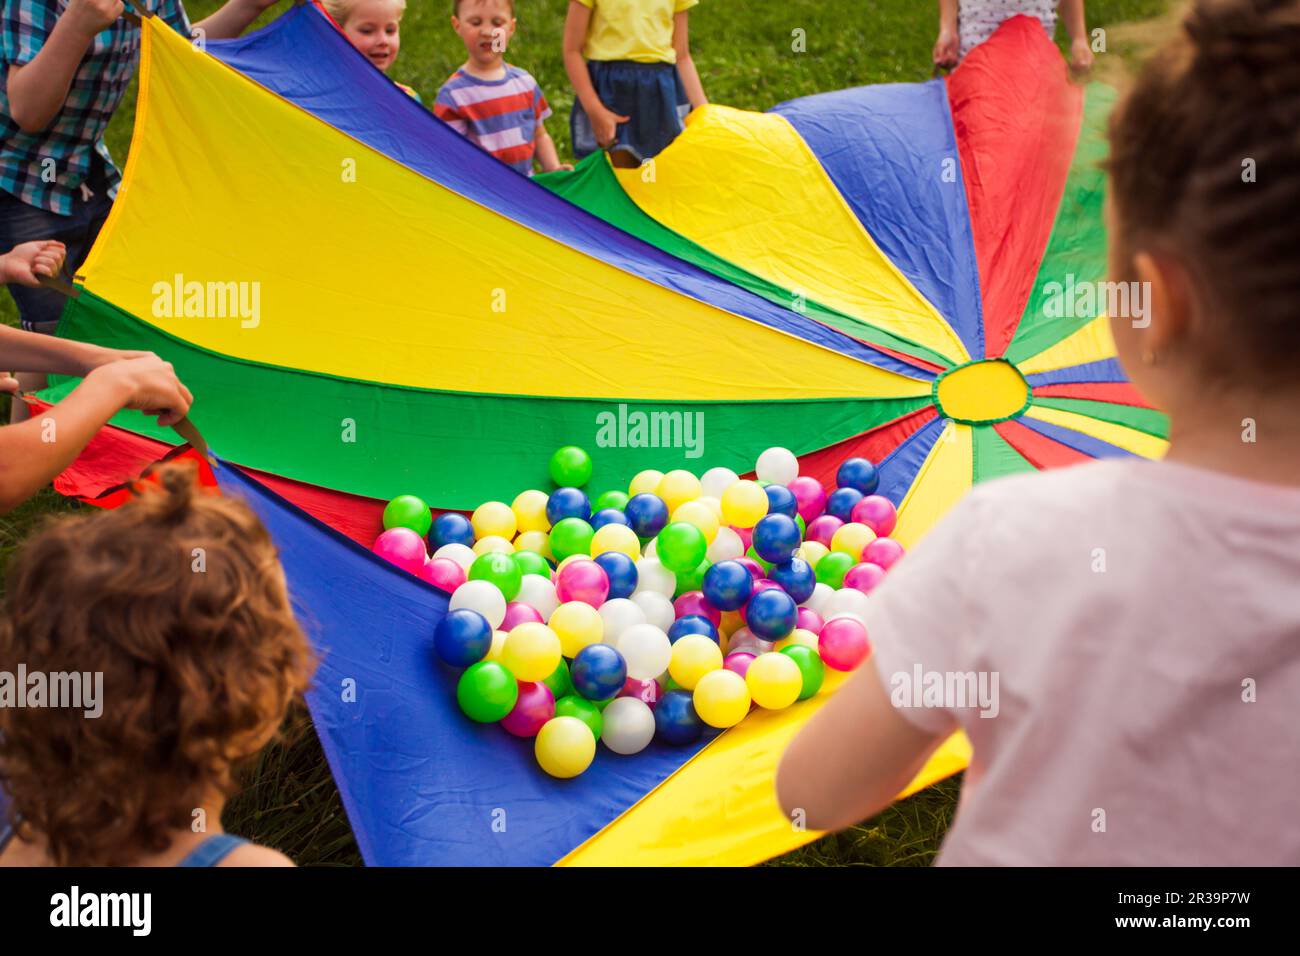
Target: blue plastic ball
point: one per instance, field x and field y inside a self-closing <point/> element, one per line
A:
<point x="727" y="585"/>
<point x="676" y="721"/>
<point x="771" y="614"/>
<point x="841" y="501"/>
<point x="567" y="503"/>
<point x="781" y="501"/>
<point x="598" y="672"/>
<point x="451" y="528"/>
<point x="647" y="513"/>
<point x="776" y="538"/>
<point x="692" y="624"/>
<point x="462" y="638"/>
<point x="858" y="474"/>
<point x="609" y="516"/>
<point x="796" y="577"/>
<point x="621" y="571"/>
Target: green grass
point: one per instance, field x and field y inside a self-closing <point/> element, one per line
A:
<point x="743" y="50"/>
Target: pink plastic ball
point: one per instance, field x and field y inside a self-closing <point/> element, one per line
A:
<point x="738" y="662"/>
<point x="823" y="529"/>
<point x="402" y="547"/>
<point x="694" y="602"/>
<point x="646" y="691"/>
<point x="809" y="496"/>
<point x="443" y="573"/>
<point x="535" y="706"/>
<point x="753" y="567"/>
<point x="884" y="552"/>
<point x="519" y="613"/>
<point x="876" y="512"/>
<point x="746" y="536"/>
<point x="864" y="577"/>
<point x="584" y="581"/>
<point x="809" y="620"/>
<point x="843" y="643"/>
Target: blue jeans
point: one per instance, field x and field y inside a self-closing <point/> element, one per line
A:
<point x="40" y="308"/>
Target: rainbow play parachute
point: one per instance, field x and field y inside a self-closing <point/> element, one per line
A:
<point x="364" y="305"/>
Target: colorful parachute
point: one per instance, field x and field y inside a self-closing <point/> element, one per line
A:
<point x="364" y="304"/>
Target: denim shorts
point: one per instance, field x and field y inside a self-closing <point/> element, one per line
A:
<point x="651" y="94"/>
<point x="39" y="309"/>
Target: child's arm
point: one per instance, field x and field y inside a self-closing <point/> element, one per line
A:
<point x="685" y="65"/>
<point x="34" y="452"/>
<point x="38" y="88"/>
<point x="233" y="18"/>
<point x="547" y="155"/>
<point x="947" y="48"/>
<point x="852" y="758"/>
<point x="603" y="122"/>
<point x="1076" y="27"/>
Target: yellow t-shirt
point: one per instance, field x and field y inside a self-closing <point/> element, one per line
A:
<point x="640" y="30"/>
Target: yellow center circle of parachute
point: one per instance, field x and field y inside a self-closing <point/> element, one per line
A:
<point x="980" y="392"/>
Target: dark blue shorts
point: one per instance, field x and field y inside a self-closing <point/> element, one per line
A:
<point x="650" y="93"/>
<point x="40" y="308"/>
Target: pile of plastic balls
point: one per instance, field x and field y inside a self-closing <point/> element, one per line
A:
<point x="658" y="612"/>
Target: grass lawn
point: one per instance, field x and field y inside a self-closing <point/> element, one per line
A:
<point x="743" y="50"/>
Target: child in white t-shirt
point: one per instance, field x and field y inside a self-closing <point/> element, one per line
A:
<point x="964" y="24"/>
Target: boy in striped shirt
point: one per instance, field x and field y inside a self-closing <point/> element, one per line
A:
<point x="498" y="106"/>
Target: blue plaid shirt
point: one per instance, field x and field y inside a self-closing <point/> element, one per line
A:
<point x="47" y="169"/>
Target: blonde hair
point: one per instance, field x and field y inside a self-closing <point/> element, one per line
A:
<point x="340" y="10"/>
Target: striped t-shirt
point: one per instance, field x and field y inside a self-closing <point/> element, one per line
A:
<point x="500" y="115"/>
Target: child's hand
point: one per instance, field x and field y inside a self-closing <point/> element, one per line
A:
<point x="28" y="263"/>
<point x="1080" y="56"/>
<point x="92" y="16"/>
<point x="946" y="49"/>
<point x="604" y="125"/>
<point x="8" y="383"/>
<point x="147" y="384"/>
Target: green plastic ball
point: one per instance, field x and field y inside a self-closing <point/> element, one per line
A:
<point x="559" y="682"/>
<point x="570" y="467"/>
<point x="832" y="567"/>
<point x="569" y="537"/>
<point x="487" y="692"/>
<point x="691" y="580"/>
<point x="530" y="562"/>
<point x="681" y="547"/>
<point x="811" y="668"/>
<point x="408" y="511"/>
<point x="583" y="709"/>
<point x="500" y="570"/>
<point x="610" y="499"/>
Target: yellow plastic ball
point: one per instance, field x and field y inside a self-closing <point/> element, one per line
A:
<point x="774" y="680"/>
<point x="797" y="636"/>
<point x="538" y="541"/>
<point x="678" y="487"/>
<point x="700" y="515"/>
<point x="531" y="651"/>
<point x="721" y="698"/>
<point x="645" y="482"/>
<point x="693" y="656"/>
<point x="714" y="504"/>
<point x="852" y="538"/>
<point x="743" y="504"/>
<point x="577" y="624"/>
<point x="565" y="746"/>
<point x="493" y="543"/>
<point x="498" y="644"/>
<point x="493" y="518"/>
<point x="812" y="552"/>
<point x="530" y="511"/>
<point x="616" y="537"/>
<point x="569" y="560"/>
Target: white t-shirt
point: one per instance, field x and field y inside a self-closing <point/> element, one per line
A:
<point x="1143" y="623"/>
<point x="977" y="19"/>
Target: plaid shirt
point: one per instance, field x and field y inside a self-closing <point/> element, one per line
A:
<point x="46" y="169"/>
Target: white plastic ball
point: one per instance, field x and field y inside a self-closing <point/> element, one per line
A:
<point x="482" y="596"/>
<point x="717" y="480"/>
<point x="777" y="465"/>
<point x="727" y="546"/>
<point x="629" y="725"/>
<point x="646" y="649"/>
<point x="846" y="602"/>
<point x="617" y="615"/>
<point x="462" y="554"/>
<point x="817" y="600"/>
<point x="658" y="609"/>
<point x="539" y="594"/>
<point x="651" y="575"/>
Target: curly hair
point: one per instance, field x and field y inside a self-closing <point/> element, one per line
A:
<point x="178" y="598"/>
<point x="1204" y="153"/>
